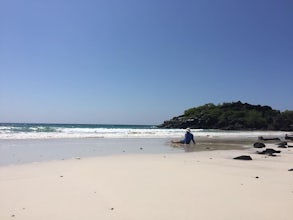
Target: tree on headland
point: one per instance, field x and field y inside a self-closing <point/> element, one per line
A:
<point x="233" y="116"/>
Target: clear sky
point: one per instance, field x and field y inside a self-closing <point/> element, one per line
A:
<point x="141" y="61"/>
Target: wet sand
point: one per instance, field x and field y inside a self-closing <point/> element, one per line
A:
<point x="37" y="150"/>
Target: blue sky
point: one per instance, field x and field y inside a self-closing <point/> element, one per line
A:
<point x="141" y="61"/>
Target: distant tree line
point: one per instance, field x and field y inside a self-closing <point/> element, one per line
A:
<point x="233" y="116"/>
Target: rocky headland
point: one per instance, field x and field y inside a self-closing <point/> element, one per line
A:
<point x="233" y="116"/>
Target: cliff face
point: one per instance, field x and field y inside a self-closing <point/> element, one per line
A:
<point x="233" y="116"/>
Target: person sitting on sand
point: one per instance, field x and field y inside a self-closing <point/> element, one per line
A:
<point x="187" y="139"/>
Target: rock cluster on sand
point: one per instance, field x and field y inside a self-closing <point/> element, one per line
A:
<point x="268" y="151"/>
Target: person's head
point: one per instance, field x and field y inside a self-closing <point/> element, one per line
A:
<point x="188" y="130"/>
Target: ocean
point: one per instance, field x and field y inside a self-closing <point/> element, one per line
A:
<point x="26" y="143"/>
<point x="53" y="131"/>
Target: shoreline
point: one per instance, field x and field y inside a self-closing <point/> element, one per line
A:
<point x="198" y="185"/>
<point x="13" y="152"/>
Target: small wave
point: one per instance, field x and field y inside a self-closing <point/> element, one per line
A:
<point x="45" y="131"/>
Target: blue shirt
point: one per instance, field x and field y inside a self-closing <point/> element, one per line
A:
<point x="188" y="138"/>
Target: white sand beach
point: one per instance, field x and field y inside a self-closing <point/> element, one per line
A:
<point x="197" y="185"/>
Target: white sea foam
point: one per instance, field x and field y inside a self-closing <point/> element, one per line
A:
<point x="42" y="132"/>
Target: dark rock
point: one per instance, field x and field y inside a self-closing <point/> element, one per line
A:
<point x="283" y="143"/>
<point x="232" y="116"/>
<point x="259" y="145"/>
<point x="243" y="157"/>
<point x="268" y="139"/>
<point x="269" y="151"/>
<point x="289" y="146"/>
<point x="261" y="152"/>
<point x="287" y="137"/>
<point x="290" y="169"/>
<point x="179" y="122"/>
<point x="257" y="177"/>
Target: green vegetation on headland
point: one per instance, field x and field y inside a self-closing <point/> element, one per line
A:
<point x="233" y="116"/>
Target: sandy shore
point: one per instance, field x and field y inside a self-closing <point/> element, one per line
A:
<point x="180" y="186"/>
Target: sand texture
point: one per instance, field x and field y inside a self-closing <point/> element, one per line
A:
<point x="181" y="186"/>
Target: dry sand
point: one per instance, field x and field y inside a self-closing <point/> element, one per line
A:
<point x="183" y="186"/>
